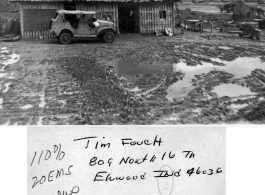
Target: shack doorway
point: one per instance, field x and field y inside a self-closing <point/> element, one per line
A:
<point x="129" y="19"/>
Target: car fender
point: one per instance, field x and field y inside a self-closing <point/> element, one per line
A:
<point x="103" y="30"/>
<point x="66" y="30"/>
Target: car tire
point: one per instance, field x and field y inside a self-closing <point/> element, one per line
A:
<point x="65" y="38"/>
<point x="108" y="37"/>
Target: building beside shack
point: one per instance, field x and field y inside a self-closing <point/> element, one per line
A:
<point x="261" y="1"/>
<point x="141" y="16"/>
<point x="245" y="12"/>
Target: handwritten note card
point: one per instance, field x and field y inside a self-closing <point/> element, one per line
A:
<point x="133" y="160"/>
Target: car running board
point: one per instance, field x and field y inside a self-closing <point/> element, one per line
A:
<point x="88" y="36"/>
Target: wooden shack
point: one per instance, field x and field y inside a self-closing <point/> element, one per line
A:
<point x="141" y="16"/>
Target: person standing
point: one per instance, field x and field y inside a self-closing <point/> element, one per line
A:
<point x="131" y="21"/>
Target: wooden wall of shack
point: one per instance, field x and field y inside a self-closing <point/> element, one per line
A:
<point x="150" y="20"/>
<point x="32" y="14"/>
<point x="35" y="16"/>
<point x="100" y="8"/>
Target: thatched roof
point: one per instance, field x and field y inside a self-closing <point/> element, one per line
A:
<point x="106" y="1"/>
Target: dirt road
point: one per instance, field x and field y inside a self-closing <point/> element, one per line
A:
<point x="133" y="81"/>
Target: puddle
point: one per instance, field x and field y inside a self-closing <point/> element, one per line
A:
<point x="231" y="90"/>
<point x="171" y="118"/>
<point x="197" y="110"/>
<point x="11" y="76"/>
<point x="1" y="103"/>
<point x="224" y="47"/>
<point x="62" y="102"/>
<point x="28" y="106"/>
<point x="7" y="87"/>
<point x="40" y="121"/>
<point x="128" y="68"/>
<point x="2" y="74"/>
<point x="42" y="101"/>
<point x="237" y="107"/>
<point x="240" y="67"/>
<point x="244" y="98"/>
<point x="261" y="98"/>
<point x="12" y="58"/>
<point x="68" y="93"/>
<point x="181" y="88"/>
<point x="136" y="89"/>
<point x="150" y="90"/>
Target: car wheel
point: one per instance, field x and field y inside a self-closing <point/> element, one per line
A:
<point x="108" y="37"/>
<point x="257" y="35"/>
<point x="65" y="38"/>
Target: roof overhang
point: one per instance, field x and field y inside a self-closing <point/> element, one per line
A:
<point x="95" y="1"/>
<point x="75" y="12"/>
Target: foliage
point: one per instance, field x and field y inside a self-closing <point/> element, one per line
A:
<point x="5" y="6"/>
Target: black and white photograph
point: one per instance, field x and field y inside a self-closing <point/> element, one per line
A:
<point x="137" y="97"/>
<point x="165" y="62"/>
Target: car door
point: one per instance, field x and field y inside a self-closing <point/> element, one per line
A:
<point x="83" y="28"/>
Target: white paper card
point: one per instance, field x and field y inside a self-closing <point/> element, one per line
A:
<point x="113" y="160"/>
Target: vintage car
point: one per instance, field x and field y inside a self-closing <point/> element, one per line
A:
<point x="250" y="29"/>
<point x="68" y="24"/>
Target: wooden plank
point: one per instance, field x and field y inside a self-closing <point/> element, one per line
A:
<point x="153" y="18"/>
<point x="21" y="19"/>
<point x="157" y="18"/>
<point x="140" y="18"/>
<point x="172" y="18"/>
<point x="144" y="20"/>
<point x="37" y="19"/>
<point x="147" y="19"/>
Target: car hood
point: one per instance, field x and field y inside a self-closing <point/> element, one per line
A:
<point x="104" y="22"/>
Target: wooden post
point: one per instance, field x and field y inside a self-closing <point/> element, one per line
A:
<point x="173" y="17"/>
<point x="1" y="28"/>
<point x="21" y="19"/>
<point x="117" y="14"/>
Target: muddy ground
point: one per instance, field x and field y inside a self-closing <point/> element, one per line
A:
<point x="131" y="81"/>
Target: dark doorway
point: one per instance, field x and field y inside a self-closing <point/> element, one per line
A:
<point x="70" y="6"/>
<point x="129" y="19"/>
